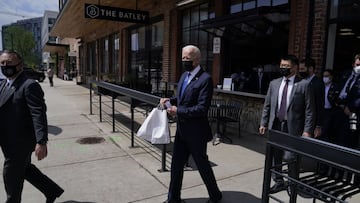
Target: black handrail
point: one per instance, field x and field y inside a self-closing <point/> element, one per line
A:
<point x="137" y="97"/>
<point x="323" y="152"/>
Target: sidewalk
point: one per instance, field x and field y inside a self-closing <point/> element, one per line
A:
<point x="112" y="171"/>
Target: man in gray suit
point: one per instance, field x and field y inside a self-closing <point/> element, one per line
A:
<point x="289" y="107"/>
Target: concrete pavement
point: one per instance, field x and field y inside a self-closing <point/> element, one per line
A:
<point x="111" y="171"/>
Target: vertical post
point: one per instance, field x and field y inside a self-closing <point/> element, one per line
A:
<point x="90" y="98"/>
<point x="100" y="106"/>
<point x="267" y="174"/>
<point x="113" y="110"/>
<point x="163" y="159"/>
<point x="132" y="106"/>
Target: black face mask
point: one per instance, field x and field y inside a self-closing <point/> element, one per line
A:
<point x="285" y="72"/>
<point x="304" y="74"/>
<point x="187" y="65"/>
<point x="9" y="71"/>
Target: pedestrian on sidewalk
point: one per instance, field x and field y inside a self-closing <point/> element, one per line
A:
<point x="193" y="131"/>
<point x="23" y="127"/>
<point x="289" y="107"/>
<point x="50" y="73"/>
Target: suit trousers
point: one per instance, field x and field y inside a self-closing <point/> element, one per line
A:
<point x="181" y="152"/>
<point x="279" y="154"/>
<point x="18" y="168"/>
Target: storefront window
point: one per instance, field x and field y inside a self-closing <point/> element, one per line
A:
<point x="145" y="69"/>
<point x="115" y="56"/>
<point x="192" y="34"/>
<point x="249" y="4"/>
<point x="343" y="35"/>
<point x="105" y="55"/>
<point x="242" y="5"/>
<point x="157" y="34"/>
<point x="91" y="58"/>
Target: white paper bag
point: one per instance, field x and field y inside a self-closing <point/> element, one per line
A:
<point x="155" y="128"/>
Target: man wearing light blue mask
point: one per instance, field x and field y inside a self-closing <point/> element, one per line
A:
<point x="350" y="103"/>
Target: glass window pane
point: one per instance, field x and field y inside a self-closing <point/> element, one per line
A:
<point x="186" y="18"/>
<point x="264" y="3"/>
<point x="134" y="41"/>
<point x="157" y="34"/>
<point x="203" y="12"/>
<point x="279" y="2"/>
<point x="236" y="8"/>
<point x="115" y="57"/>
<point x="195" y="16"/>
<point x="194" y="36"/>
<point x="186" y="37"/>
<point x="141" y="38"/>
<point x="250" y="4"/>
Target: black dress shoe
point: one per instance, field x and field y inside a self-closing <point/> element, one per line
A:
<point x="277" y="187"/>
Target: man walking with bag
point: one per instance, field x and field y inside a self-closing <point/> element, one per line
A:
<point x="23" y="127"/>
<point x="193" y="131"/>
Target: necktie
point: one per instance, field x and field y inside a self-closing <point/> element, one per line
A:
<point x="348" y="86"/>
<point x="282" y="109"/>
<point x="185" y="83"/>
<point x="5" y="88"/>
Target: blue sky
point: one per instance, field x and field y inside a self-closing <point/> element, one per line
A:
<point x="10" y="9"/>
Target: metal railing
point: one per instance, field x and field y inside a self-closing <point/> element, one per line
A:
<point x="137" y="98"/>
<point x="334" y="156"/>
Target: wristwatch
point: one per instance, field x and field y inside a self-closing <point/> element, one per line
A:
<point x="42" y="142"/>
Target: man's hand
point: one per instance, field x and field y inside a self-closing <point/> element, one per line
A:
<point x="347" y="111"/>
<point x="317" y="131"/>
<point x="172" y="110"/>
<point x="262" y="130"/>
<point x="306" y="134"/>
<point x="40" y="151"/>
<point x="163" y="100"/>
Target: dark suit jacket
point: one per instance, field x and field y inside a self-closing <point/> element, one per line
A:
<point x="353" y="97"/>
<point x="23" y="119"/>
<point x="319" y="94"/>
<point x="300" y="111"/>
<point x="193" y="106"/>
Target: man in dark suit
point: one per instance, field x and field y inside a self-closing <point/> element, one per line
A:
<point x="23" y="127"/>
<point x="349" y="101"/>
<point x="307" y="72"/>
<point x="289" y="107"/>
<point x="193" y="131"/>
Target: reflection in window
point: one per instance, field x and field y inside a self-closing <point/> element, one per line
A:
<point x="249" y="4"/>
<point x="157" y="34"/>
<point x="105" y="55"/>
<point x="146" y="57"/>
<point x="280" y="2"/>
<point x="242" y="5"/>
<point x="115" y="67"/>
<point x="263" y="3"/>
<point x="91" y="58"/>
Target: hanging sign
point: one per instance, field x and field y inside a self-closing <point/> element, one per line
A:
<point x="116" y="14"/>
<point x="216" y="45"/>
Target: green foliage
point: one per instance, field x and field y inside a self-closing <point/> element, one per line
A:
<point x="18" y="39"/>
